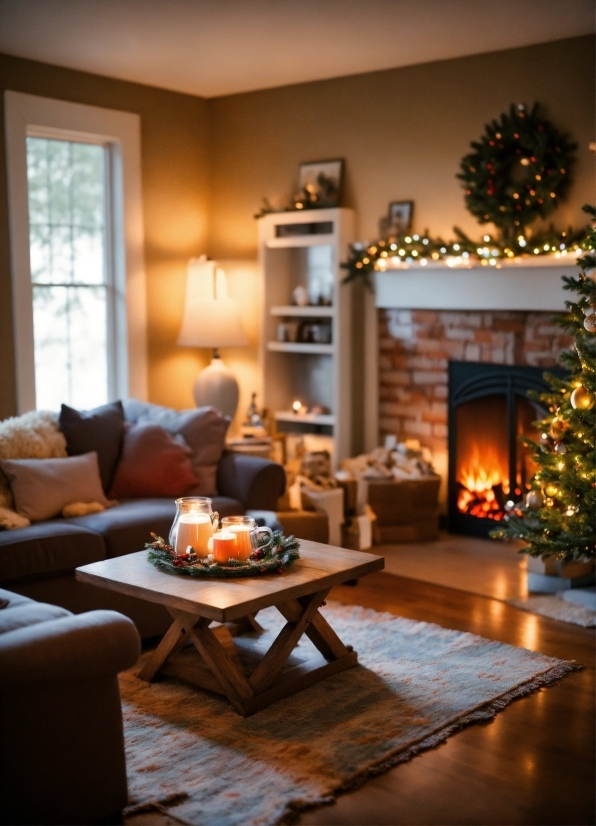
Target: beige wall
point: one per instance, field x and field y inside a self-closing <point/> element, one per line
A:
<point x="175" y="206"/>
<point x="402" y="133"/>
<point x="207" y="164"/>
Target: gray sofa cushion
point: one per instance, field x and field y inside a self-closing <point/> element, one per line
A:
<point x="127" y="527"/>
<point x="47" y="548"/>
<point x="30" y="613"/>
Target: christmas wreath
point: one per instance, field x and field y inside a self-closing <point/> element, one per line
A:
<point x="518" y="171"/>
<point x="267" y="559"/>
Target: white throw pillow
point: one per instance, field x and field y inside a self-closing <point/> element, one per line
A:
<point x="43" y="487"/>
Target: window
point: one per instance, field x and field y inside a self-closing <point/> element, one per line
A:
<point x="76" y="248"/>
<point x="70" y="272"/>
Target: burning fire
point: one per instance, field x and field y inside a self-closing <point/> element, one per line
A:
<point x="481" y="486"/>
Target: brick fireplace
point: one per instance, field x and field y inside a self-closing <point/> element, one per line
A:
<point x="415" y="347"/>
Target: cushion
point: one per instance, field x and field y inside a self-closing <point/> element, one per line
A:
<point x="98" y="430"/>
<point x="21" y="616"/>
<point x="203" y="429"/>
<point x="42" y="487"/>
<point x="47" y="548"/>
<point x="153" y="463"/>
<point x="34" y="435"/>
<point x="127" y="527"/>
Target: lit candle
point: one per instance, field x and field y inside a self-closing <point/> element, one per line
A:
<point x="224" y="546"/>
<point x="194" y="529"/>
<point x="242" y="533"/>
<point x="297" y="406"/>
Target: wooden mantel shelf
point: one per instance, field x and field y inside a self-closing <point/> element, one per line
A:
<point x="531" y="284"/>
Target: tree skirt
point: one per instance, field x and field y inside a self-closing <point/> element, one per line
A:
<point x="417" y="684"/>
<point x="552" y="606"/>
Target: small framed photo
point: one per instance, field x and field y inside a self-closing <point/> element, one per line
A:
<point x="320" y="182"/>
<point x="400" y="216"/>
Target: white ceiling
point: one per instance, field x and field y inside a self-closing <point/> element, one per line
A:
<point x="219" y="47"/>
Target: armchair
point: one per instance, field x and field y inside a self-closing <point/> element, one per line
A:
<point x="62" y="757"/>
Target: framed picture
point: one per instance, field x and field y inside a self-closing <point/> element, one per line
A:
<point x="400" y="216"/>
<point x="320" y="183"/>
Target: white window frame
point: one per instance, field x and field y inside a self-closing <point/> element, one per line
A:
<point x="33" y="116"/>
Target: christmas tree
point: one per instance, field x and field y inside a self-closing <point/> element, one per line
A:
<point x="557" y="517"/>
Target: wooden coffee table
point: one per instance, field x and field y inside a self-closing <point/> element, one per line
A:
<point x="237" y="666"/>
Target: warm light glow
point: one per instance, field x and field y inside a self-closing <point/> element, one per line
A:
<point x="478" y="479"/>
<point x="297" y="406"/>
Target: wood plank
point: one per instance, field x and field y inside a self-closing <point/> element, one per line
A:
<point x="283" y="645"/>
<point x="172" y="641"/>
<point x="234" y="683"/>
<point x="299" y="678"/>
<point x="321" y="566"/>
<point x="191" y="669"/>
<point x="320" y="633"/>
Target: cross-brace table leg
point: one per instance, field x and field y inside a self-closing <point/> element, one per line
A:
<point x="267" y="683"/>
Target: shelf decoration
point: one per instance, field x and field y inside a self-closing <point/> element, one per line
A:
<point x="274" y="559"/>
<point x="518" y="171"/>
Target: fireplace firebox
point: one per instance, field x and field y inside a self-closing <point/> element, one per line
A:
<point x="489" y="412"/>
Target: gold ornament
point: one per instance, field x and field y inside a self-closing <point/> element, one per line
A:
<point x="590" y="323"/>
<point x="558" y="427"/>
<point x="534" y="500"/>
<point x="551" y="490"/>
<point x="582" y="399"/>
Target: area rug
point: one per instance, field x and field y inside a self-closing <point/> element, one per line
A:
<point x="189" y="753"/>
<point x="554" y="607"/>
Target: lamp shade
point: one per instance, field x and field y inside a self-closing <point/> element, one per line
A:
<point x="211" y="318"/>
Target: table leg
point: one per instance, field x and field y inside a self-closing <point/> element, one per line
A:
<point x="284" y="644"/>
<point x="173" y="640"/>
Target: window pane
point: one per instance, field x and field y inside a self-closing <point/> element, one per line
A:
<point x="87" y="185"/>
<point x="70" y="332"/>
<point x="87" y="256"/>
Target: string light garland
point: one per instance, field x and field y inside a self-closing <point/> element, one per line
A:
<point x="406" y="249"/>
<point x="558" y="515"/>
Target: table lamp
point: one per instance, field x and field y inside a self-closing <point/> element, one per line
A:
<point x="211" y="319"/>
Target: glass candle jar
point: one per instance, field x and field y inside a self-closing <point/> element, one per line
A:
<point x="246" y="533"/>
<point x="193" y="525"/>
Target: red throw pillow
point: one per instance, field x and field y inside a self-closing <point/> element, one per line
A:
<point x="153" y="463"/>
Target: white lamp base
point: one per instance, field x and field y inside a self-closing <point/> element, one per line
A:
<point x="217" y="387"/>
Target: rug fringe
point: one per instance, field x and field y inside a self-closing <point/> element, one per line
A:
<point x="296" y="808"/>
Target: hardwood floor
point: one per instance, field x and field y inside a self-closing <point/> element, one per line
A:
<point x="532" y="764"/>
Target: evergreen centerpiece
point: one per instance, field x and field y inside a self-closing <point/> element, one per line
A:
<point x="558" y="516"/>
<point x="271" y="557"/>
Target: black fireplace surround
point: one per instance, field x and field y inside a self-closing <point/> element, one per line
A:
<point x="507" y="386"/>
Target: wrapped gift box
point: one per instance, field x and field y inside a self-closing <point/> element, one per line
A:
<point x="405" y="510"/>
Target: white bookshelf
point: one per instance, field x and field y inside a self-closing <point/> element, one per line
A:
<point x="314" y="374"/>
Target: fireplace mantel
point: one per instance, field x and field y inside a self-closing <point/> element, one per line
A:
<point x="530" y="284"/>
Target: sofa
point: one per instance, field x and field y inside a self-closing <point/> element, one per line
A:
<point x="62" y="757"/>
<point x="38" y="561"/>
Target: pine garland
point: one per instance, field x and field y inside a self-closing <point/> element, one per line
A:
<point x="395" y="251"/>
<point x="557" y="518"/>
<point x="277" y="557"/>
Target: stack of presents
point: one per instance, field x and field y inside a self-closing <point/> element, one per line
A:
<point x="389" y="495"/>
